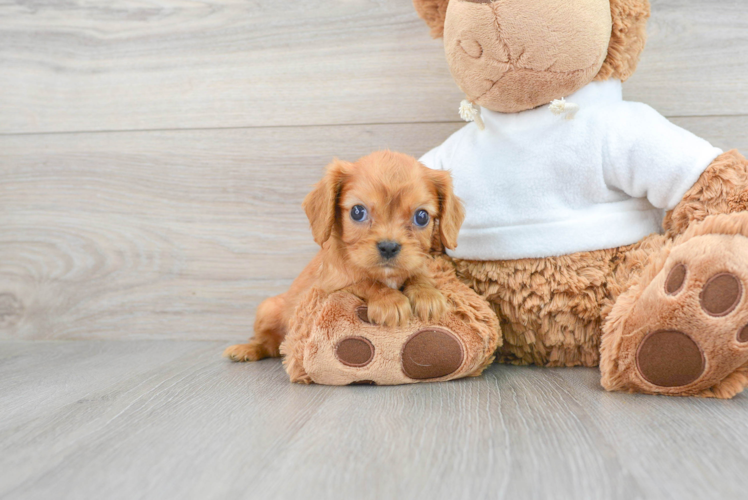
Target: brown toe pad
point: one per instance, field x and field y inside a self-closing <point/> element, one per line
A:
<point x="670" y="359"/>
<point x="721" y="294"/>
<point x="362" y="312"/>
<point x="431" y="353"/>
<point x="675" y="280"/>
<point x="743" y="335"/>
<point x="355" y="351"/>
<point x="363" y="382"/>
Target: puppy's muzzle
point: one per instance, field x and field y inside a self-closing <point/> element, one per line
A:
<point x="388" y="249"/>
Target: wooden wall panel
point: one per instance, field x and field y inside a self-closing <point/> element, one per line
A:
<point x="176" y="234"/>
<point x="75" y="65"/>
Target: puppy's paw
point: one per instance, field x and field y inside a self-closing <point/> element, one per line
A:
<point x="428" y="303"/>
<point x="253" y="351"/>
<point x="392" y="309"/>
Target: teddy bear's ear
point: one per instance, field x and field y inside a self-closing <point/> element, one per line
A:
<point x="627" y="38"/>
<point x="433" y="12"/>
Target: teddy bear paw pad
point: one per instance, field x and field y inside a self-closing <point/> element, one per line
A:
<point x="670" y="359"/>
<point x="721" y="295"/>
<point x="743" y="335"/>
<point x="431" y="353"/>
<point x="354" y="351"/>
<point x="363" y="382"/>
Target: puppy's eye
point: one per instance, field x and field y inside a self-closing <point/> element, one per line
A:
<point x="359" y="213"/>
<point x="421" y="218"/>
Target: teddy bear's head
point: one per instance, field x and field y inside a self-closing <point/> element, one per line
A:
<point x="514" y="55"/>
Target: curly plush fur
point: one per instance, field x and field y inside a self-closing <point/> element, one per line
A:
<point x="552" y="309"/>
<point x="627" y="39"/>
<point x="719" y="190"/>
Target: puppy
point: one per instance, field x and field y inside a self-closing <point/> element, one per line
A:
<point x="376" y="221"/>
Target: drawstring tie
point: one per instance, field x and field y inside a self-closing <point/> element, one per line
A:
<point x="560" y="107"/>
<point x="471" y="113"/>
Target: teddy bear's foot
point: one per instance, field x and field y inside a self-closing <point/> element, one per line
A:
<point x="332" y="342"/>
<point x="355" y="351"/>
<point x="685" y="332"/>
<point x="431" y="353"/>
<point x="428" y="353"/>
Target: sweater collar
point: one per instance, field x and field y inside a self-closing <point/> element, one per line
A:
<point x="592" y="95"/>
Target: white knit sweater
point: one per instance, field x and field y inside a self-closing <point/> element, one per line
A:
<point x="535" y="184"/>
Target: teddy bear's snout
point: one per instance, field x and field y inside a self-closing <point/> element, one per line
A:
<point x="502" y="58"/>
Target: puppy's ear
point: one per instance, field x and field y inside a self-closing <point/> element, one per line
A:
<point x="321" y="204"/>
<point x="451" y="210"/>
<point x="433" y="12"/>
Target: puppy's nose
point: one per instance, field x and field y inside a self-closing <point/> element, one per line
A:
<point x="388" y="249"/>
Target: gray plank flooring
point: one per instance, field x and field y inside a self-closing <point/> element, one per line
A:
<point x="163" y="419"/>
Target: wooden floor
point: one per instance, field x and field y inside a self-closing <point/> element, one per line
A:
<point x="153" y="158"/>
<point x="164" y="419"/>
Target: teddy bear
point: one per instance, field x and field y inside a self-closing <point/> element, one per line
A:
<point x="599" y="232"/>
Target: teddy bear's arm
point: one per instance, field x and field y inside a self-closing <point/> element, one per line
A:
<point x="721" y="189"/>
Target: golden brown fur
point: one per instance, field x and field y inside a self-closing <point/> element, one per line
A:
<point x="721" y="189"/>
<point x="551" y="310"/>
<point x="627" y="38"/>
<point x="433" y="12"/>
<point x="392" y="187"/>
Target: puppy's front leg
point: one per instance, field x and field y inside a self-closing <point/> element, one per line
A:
<point x="386" y="307"/>
<point x="428" y="303"/>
